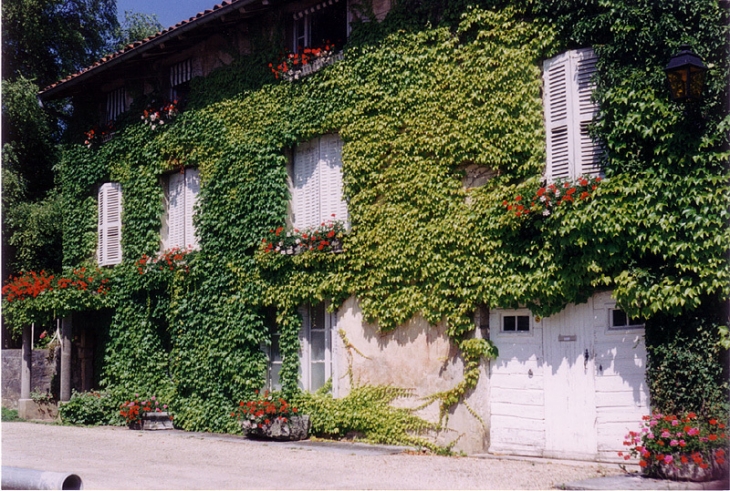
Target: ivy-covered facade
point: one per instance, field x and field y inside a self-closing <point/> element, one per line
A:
<point x="206" y="209"/>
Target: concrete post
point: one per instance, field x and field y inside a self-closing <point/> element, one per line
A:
<point x="25" y="403"/>
<point x="66" y="326"/>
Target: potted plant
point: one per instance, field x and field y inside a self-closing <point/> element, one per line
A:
<point x="147" y="414"/>
<point x="680" y="447"/>
<point x="271" y="417"/>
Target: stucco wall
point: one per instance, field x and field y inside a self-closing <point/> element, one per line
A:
<point x="415" y="356"/>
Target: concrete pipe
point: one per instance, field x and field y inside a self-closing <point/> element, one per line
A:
<point x="21" y="478"/>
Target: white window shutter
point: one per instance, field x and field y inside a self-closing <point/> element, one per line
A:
<point x="569" y="110"/>
<point x="558" y="118"/>
<point x="175" y="211"/>
<point x="305" y="181"/>
<point x="588" y="152"/>
<point x="330" y="179"/>
<point x="192" y="188"/>
<point x="109" y="250"/>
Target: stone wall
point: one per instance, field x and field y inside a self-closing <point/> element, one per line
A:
<point x="43" y="369"/>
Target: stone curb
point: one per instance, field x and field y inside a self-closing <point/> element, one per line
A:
<point x="635" y="481"/>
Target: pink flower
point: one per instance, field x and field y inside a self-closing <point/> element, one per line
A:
<point x="675" y="423"/>
<point x="653" y="423"/>
<point x="668" y="459"/>
<point x="650" y="436"/>
<point x="693" y="431"/>
<point x="666" y="434"/>
<point x="674" y="443"/>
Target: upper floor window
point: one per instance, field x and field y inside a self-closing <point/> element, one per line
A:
<point x="569" y="111"/>
<point x="317" y="182"/>
<point x="180" y="76"/>
<point x="181" y="193"/>
<point x="109" y="247"/>
<point x="322" y="23"/>
<point x="116" y="104"/>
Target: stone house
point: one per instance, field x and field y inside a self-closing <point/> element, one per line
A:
<point x="566" y="386"/>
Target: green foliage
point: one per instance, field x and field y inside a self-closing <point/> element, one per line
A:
<point x="685" y="366"/>
<point x="49" y="39"/>
<point x="136" y="27"/>
<point x="90" y="408"/>
<point x="35" y="233"/>
<point x="9" y="415"/>
<point x="416" y="105"/>
<point x="367" y="413"/>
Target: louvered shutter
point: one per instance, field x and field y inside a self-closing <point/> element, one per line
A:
<point x="175" y="211"/>
<point x="305" y="181"/>
<point x="557" y="99"/>
<point x="588" y="152"/>
<point x="330" y="179"/>
<point x="569" y="111"/>
<point x="109" y="250"/>
<point x="192" y="187"/>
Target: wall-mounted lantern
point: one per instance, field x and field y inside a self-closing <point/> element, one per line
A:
<point x="686" y="75"/>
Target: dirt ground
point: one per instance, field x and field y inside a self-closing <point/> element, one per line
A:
<point x="119" y="458"/>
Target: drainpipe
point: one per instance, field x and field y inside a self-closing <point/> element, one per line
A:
<point x="21" y="478"/>
<point x="65" y="393"/>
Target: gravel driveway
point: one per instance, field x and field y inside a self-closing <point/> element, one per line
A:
<point x="118" y="458"/>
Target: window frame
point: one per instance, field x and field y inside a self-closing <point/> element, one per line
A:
<point x="116" y="104"/>
<point x="301" y="27"/>
<point x="516" y="313"/>
<point x="305" y="346"/>
<point x="628" y="327"/>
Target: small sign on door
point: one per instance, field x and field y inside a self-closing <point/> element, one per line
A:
<point x="570" y="337"/>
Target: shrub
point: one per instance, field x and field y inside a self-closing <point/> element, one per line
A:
<point x="10" y="415"/>
<point x="366" y="411"/>
<point x="685" y="365"/>
<point x="90" y="408"/>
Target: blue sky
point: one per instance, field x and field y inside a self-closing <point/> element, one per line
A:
<point x="169" y="12"/>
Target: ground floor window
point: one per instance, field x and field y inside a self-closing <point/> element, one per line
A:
<point x="315" y="352"/>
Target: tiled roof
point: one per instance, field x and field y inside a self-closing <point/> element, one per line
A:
<point x="140" y="46"/>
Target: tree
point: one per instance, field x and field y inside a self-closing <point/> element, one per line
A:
<point x="48" y="39"/>
<point x="136" y="26"/>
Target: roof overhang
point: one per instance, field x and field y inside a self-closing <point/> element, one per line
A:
<point x="241" y="8"/>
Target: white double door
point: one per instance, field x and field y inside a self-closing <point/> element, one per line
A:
<point x="570" y="387"/>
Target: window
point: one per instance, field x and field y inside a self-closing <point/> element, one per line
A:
<point x="315" y="353"/>
<point x="619" y="320"/>
<point x="320" y="24"/>
<point x="180" y="76"/>
<point x="316" y="347"/>
<point x="569" y="111"/>
<point x="109" y="247"/>
<point x="317" y="182"/>
<point x="273" y="352"/>
<point x="181" y="192"/>
<point x="116" y="104"/>
<point x="516" y="323"/>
